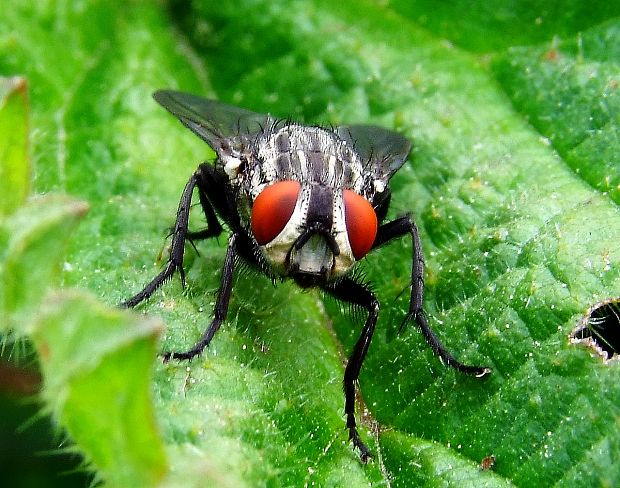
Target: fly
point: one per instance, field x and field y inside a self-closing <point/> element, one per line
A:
<point x="302" y="203"/>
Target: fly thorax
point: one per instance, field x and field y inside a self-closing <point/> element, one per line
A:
<point x="308" y="155"/>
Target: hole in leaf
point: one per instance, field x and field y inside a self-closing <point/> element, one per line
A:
<point x="600" y="329"/>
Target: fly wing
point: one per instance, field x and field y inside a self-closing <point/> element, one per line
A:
<point x="209" y="119"/>
<point x="384" y="150"/>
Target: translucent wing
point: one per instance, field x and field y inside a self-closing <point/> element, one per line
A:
<point x="383" y="149"/>
<point x="209" y="119"/>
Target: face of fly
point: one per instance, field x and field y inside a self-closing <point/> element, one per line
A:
<point x="307" y="197"/>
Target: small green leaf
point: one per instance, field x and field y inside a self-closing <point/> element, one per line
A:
<point x="37" y="236"/>
<point x="95" y="362"/>
<point x="14" y="151"/>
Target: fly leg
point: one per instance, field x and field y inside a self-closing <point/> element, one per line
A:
<point x="203" y="179"/>
<point x="356" y="293"/>
<point x="214" y="228"/>
<point x="397" y="228"/>
<point x="212" y="198"/>
<point x="221" y="305"/>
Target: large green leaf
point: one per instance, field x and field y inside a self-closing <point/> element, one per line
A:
<point x="513" y="181"/>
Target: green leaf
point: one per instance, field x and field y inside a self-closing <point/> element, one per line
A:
<point x="416" y="462"/>
<point x="96" y="361"/>
<point x="571" y="94"/>
<point x="14" y="162"/>
<point x="37" y="239"/>
<point x="93" y="360"/>
<point x="513" y="182"/>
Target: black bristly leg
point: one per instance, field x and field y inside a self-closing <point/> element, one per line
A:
<point x="214" y="228"/>
<point x="350" y="291"/>
<point x="397" y="228"/>
<point x="203" y="179"/>
<point x="175" y="261"/>
<point x="221" y="305"/>
<point x="210" y="191"/>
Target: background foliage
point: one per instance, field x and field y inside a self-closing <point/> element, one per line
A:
<point x="513" y="108"/>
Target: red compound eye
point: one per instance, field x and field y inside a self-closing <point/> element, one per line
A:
<point x="272" y="210"/>
<point x="361" y="222"/>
